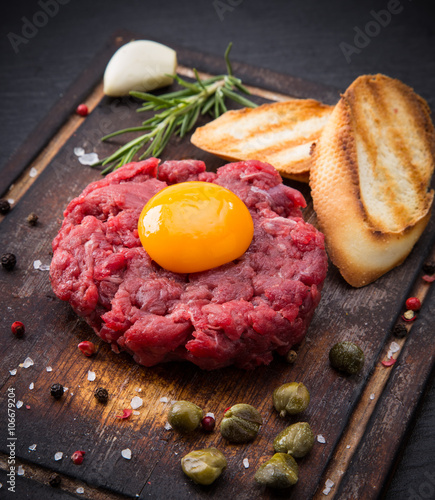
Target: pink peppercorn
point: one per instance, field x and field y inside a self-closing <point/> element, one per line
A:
<point x="77" y="457"/>
<point x="87" y="348"/>
<point x="18" y="328"/>
<point x="409" y="315"/>
<point x="82" y="110"/>
<point x="208" y="423"/>
<point x="413" y="303"/>
<point x="389" y="362"/>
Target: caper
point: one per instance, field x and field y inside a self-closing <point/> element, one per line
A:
<point x="291" y="398"/>
<point x="241" y="423"/>
<point x="281" y="471"/>
<point x="347" y="357"/>
<point x="204" y="466"/>
<point x="297" y="440"/>
<point x="185" y="416"/>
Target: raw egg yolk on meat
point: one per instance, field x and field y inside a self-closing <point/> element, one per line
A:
<point x="195" y="226"/>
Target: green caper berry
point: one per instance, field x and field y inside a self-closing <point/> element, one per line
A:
<point x="185" y="416"/>
<point x="281" y="471"/>
<point x="297" y="440"/>
<point x="291" y="398"/>
<point x="241" y="423"/>
<point x="204" y="466"/>
<point x="347" y="357"/>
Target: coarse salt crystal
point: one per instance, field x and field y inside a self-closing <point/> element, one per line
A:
<point x="33" y="172"/>
<point x="79" y="151"/>
<point x="91" y="376"/>
<point x="88" y="159"/>
<point x="136" y="402"/>
<point x="13" y="372"/>
<point x="44" y="267"/>
<point x="20" y="470"/>
<point x="329" y="483"/>
<point x="348" y="446"/>
<point x="19" y="404"/>
<point x="65" y="389"/>
<point x="164" y="399"/>
<point x="126" y="453"/>
<point x="321" y="439"/>
<point x="58" y="456"/>
<point x="37" y="264"/>
<point x="246" y="463"/>
<point x="394" y="347"/>
<point x="49" y="368"/>
<point x="135" y="412"/>
<point x="168" y="426"/>
<point x="28" y="362"/>
<point x="31" y="386"/>
<point x="32" y="447"/>
<point x="80" y="490"/>
<point x="326" y="491"/>
<point x="372" y="395"/>
<point x="11" y="201"/>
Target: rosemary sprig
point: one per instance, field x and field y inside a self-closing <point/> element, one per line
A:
<point x="181" y="110"/>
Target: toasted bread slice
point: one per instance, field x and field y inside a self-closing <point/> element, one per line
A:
<point x="370" y="177"/>
<point x="280" y="133"/>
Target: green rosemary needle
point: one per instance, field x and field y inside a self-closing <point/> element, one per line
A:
<point x="181" y="110"/>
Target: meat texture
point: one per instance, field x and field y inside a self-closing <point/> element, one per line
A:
<point x="238" y="313"/>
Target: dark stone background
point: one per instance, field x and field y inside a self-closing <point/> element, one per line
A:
<point x="299" y="38"/>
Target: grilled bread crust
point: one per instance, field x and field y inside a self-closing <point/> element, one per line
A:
<point x="370" y="177"/>
<point x="280" y="133"/>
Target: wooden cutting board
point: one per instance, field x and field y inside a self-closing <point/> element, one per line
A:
<point x="362" y="418"/>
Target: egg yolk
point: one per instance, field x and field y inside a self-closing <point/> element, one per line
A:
<point x="195" y="226"/>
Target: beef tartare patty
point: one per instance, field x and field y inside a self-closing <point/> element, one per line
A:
<point x="238" y="313"/>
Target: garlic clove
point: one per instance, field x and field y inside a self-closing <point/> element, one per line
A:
<point x="141" y="65"/>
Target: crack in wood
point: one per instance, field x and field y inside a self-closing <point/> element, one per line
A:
<point x="68" y="484"/>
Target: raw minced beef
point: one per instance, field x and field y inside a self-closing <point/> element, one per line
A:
<point x="238" y="313"/>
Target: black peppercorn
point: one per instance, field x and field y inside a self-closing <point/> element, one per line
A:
<point x="8" y="261"/>
<point x="56" y="390"/>
<point x="101" y="394"/>
<point x="400" y="331"/>
<point x="32" y="219"/>
<point x="55" y="480"/>
<point x="5" y="206"/>
<point x="291" y="357"/>
<point x="429" y="268"/>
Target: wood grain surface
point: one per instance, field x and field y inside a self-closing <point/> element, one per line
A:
<point x="341" y="409"/>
